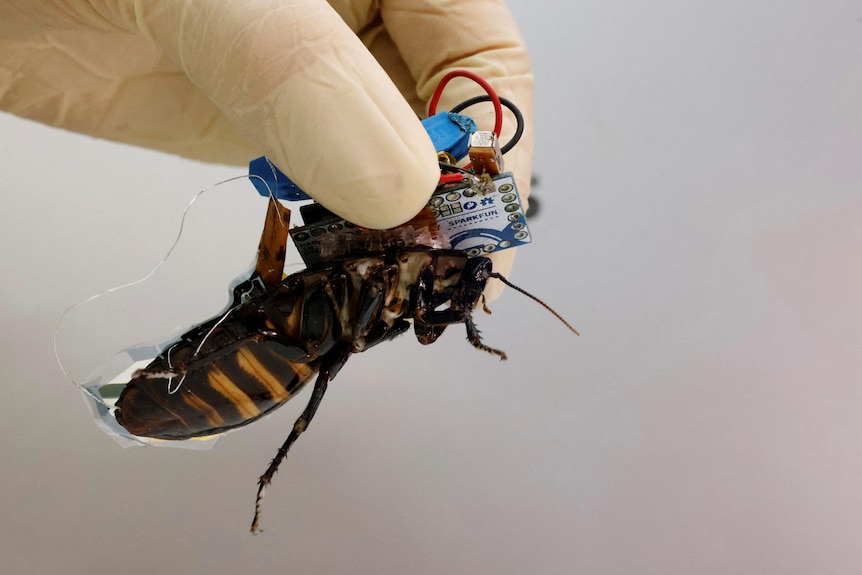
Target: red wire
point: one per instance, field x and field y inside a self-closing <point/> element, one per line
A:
<point x="450" y="178"/>
<point x="498" y="108"/>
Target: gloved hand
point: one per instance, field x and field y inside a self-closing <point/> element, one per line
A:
<point x="329" y="92"/>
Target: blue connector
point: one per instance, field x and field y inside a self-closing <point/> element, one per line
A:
<point x="449" y="132"/>
<point x="280" y="185"/>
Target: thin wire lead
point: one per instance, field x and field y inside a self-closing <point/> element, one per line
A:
<point x="173" y="246"/>
<point x="172" y="391"/>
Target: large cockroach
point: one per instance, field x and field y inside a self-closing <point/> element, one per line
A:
<point x="241" y="365"/>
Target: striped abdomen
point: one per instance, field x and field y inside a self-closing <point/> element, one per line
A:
<point x="229" y="392"/>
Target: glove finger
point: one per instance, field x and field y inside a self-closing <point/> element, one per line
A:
<point x="71" y="67"/>
<point x="289" y="75"/>
<point x="294" y="79"/>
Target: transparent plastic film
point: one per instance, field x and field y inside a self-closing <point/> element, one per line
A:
<point x="103" y="339"/>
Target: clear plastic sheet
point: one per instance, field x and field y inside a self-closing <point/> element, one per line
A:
<point x="104" y="338"/>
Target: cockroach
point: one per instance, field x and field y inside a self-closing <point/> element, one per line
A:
<point x="235" y="368"/>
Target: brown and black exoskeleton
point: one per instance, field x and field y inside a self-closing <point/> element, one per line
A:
<point x="234" y="369"/>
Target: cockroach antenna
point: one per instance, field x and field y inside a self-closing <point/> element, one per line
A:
<point x="500" y="277"/>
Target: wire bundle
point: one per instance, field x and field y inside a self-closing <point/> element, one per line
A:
<point x="450" y="171"/>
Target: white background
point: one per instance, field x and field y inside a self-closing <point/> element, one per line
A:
<point x="700" y="165"/>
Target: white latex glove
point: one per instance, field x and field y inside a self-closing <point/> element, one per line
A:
<point x="329" y="92"/>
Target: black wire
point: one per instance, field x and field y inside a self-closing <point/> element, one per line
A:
<point x="519" y="118"/>
<point x="450" y="168"/>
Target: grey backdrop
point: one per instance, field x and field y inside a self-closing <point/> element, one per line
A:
<point x="701" y="165"/>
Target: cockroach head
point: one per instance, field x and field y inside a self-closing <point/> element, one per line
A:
<point x="473" y="279"/>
